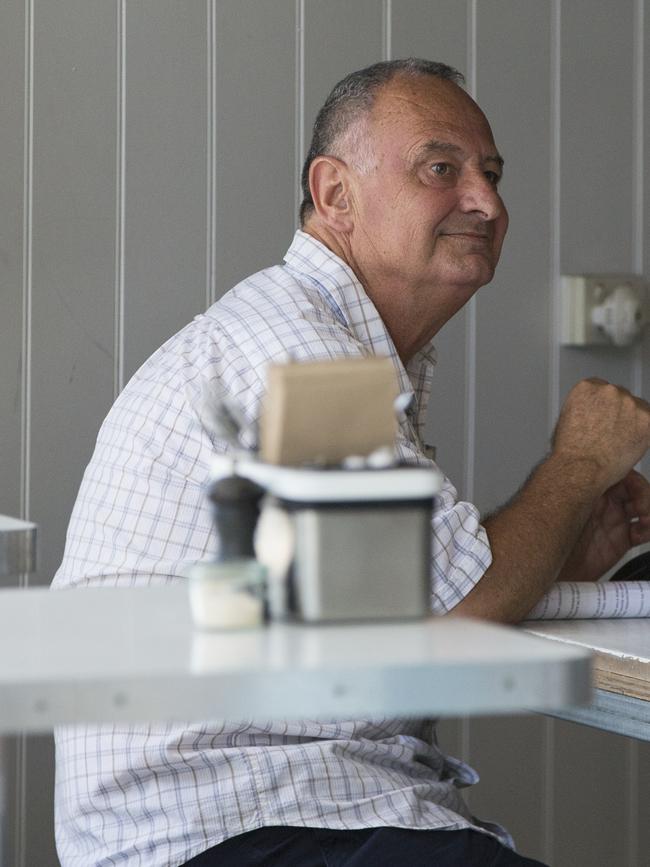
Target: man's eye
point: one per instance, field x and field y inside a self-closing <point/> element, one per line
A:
<point x="493" y="178"/>
<point x="441" y="169"/>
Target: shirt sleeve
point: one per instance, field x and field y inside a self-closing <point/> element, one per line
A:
<point x="460" y="549"/>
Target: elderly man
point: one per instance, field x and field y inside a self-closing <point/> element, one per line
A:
<point x="401" y="223"/>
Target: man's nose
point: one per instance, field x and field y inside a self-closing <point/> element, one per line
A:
<point x="479" y="196"/>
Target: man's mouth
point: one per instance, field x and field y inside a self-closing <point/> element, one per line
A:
<point x="482" y="236"/>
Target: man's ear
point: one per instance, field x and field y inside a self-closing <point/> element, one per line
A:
<point x="330" y="191"/>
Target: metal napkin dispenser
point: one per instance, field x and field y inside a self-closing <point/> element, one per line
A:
<point x="362" y="539"/>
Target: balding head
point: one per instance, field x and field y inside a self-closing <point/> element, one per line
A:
<point x="340" y="129"/>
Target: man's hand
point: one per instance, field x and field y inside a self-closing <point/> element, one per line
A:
<point x="580" y="510"/>
<point x="620" y="519"/>
<point x="604" y="425"/>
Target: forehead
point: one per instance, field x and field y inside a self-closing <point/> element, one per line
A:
<point x="408" y="111"/>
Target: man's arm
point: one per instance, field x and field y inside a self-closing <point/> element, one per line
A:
<point x="580" y="509"/>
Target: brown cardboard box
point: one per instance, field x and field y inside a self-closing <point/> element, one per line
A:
<point x="324" y="411"/>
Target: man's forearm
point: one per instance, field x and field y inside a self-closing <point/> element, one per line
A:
<point x="532" y="537"/>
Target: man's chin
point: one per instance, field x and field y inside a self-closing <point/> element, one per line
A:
<point x="472" y="274"/>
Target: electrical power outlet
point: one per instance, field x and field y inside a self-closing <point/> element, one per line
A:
<point x="582" y="294"/>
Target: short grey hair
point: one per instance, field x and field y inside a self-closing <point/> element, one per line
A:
<point x="338" y="122"/>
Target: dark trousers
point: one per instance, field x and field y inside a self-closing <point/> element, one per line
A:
<point x="374" y="847"/>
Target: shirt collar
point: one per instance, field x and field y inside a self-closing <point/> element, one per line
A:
<point x="343" y="293"/>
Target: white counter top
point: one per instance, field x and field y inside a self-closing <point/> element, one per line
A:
<point x="621" y="648"/>
<point x="625" y="638"/>
<point x="133" y="654"/>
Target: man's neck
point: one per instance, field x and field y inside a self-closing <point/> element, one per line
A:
<point x="410" y="329"/>
<point x="332" y="240"/>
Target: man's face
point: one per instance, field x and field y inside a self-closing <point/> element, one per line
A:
<point x="427" y="215"/>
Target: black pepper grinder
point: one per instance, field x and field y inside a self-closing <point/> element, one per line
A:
<point x="236" y="510"/>
<point x="229" y="593"/>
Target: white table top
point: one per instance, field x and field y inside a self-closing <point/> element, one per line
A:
<point x="625" y="638"/>
<point x="133" y="654"/>
<point x="621" y="648"/>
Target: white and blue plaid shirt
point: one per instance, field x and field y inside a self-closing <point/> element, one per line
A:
<point x="157" y="795"/>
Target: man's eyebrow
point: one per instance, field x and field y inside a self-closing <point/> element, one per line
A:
<point x="495" y="158"/>
<point x="436" y="146"/>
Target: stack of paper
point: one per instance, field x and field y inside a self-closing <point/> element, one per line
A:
<point x="568" y="600"/>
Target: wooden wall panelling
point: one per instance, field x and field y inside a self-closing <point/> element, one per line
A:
<point x="597" y="134"/>
<point x="165" y="168"/>
<point x="640" y="797"/>
<point x="73" y="299"/>
<point x="339" y="37"/>
<point x="597" y="161"/>
<point x="508" y="753"/>
<point x="512" y="332"/>
<point x="597" y="128"/>
<point x="73" y="254"/>
<point x="12" y="108"/>
<point x="435" y="31"/>
<point x="255" y="136"/>
<point x="590" y="818"/>
<point x="512" y="362"/>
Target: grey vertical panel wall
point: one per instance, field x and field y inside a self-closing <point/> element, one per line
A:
<point x="12" y="377"/>
<point x="71" y="288"/>
<point x="597" y="129"/>
<point x="254" y="195"/>
<point x="164" y="89"/>
<point x="512" y="322"/>
<point x="72" y="254"/>
<point x="168" y="138"/>
<point x="12" y="103"/>
<point x="513" y="312"/>
<point x="338" y="36"/>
